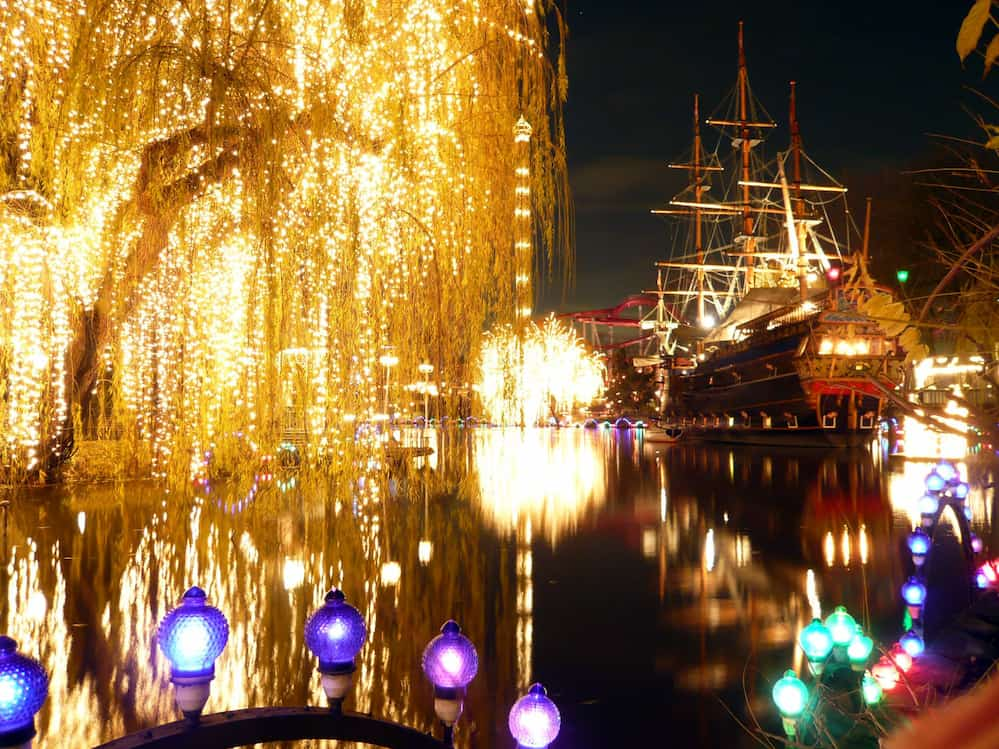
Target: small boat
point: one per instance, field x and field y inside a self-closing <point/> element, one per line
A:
<point x="662" y="434"/>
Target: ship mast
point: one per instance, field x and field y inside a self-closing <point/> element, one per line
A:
<point x="745" y="145"/>
<point x="698" y="191"/>
<point x="799" y="204"/>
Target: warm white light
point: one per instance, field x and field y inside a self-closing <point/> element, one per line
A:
<point x="391" y="573"/>
<point x="293" y="573"/>
<point x="424" y="551"/>
<point x="708" y="321"/>
<point x="709" y="550"/>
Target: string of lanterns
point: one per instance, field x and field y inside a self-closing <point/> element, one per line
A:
<point x="193" y="635"/>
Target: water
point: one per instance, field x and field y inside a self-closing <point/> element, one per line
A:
<point x="655" y="590"/>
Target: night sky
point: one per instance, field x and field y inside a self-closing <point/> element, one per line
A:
<point x="874" y="78"/>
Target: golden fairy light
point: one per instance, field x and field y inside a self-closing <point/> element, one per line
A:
<point x="543" y="372"/>
<point x="193" y="191"/>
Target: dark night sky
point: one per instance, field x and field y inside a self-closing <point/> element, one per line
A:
<point x="874" y="77"/>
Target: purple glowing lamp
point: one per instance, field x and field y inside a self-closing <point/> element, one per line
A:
<point x="450" y="662"/>
<point x="976" y="544"/>
<point x="534" y="719"/>
<point x="24" y="685"/>
<point x="335" y="634"/>
<point x="192" y="636"/>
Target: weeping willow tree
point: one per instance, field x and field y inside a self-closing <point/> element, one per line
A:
<point x="215" y="217"/>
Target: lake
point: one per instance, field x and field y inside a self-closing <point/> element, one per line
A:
<point x="655" y="590"/>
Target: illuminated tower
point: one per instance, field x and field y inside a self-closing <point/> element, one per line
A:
<point x="522" y="224"/>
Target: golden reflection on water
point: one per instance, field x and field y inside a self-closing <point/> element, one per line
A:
<point x="550" y="476"/>
<point x="740" y="552"/>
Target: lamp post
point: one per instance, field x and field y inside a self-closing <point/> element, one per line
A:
<point x="450" y="662"/>
<point x="192" y="636"/>
<point x="388" y="360"/>
<point x="426" y="369"/>
<point x="24" y="685"/>
<point x="335" y="634"/>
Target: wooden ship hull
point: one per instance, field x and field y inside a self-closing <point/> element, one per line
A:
<point x="823" y="380"/>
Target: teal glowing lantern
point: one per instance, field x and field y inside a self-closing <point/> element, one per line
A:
<point x="871" y="689"/>
<point x="859" y="650"/>
<point x="841" y="626"/>
<point x="817" y="643"/>
<point x="902" y="275"/>
<point x="791" y="697"/>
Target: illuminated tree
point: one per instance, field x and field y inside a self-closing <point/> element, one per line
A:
<point x="214" y="216"/>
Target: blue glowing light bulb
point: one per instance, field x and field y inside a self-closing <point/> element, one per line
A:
<point x="961" y="490"/>
<point x="912" y="644"/>
<point x="981" y="581"/>
<point x="335" y="633"/>
<point x="934" y="482"/>
<point x="790" y="695"/>
<point x="919" y="542"/>
<point x="841" y="626"/>
<point x="534" y="719"/>
<point x="914" y="592"/>
<point x="946" y="470"/>
<point x="450" y="660"/>
<point x="928" y="505"/>
<point x="24" y="685"/>
<point x="967" y="512"/>
<point x="193" y="635"/>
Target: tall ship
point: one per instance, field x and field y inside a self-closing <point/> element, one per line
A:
<point x="766" y="316"/>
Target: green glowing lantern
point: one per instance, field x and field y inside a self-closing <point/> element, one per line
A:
<point x="902" y="274"/>
<point x="791" y="697"/>
<point x="841" y="626"/>
<point x="817" y="643"/>
<point x="871" y="689"/>
<point x="859" y="650"/>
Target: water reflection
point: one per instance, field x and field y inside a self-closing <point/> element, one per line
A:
<point x="703" y="562"/>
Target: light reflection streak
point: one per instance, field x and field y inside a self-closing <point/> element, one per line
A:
<point x="709" y="550"/>
<point x="552" y="477"/>
<point x="812" y="594"/>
